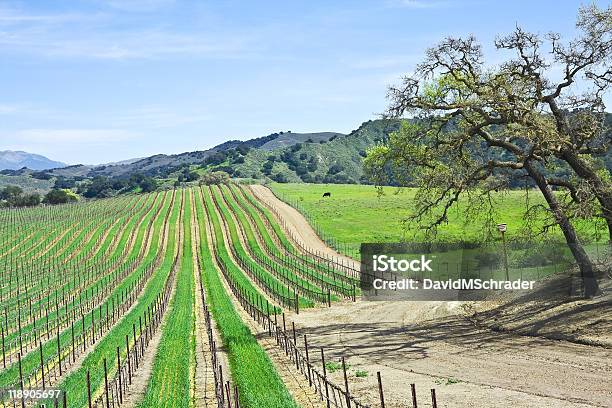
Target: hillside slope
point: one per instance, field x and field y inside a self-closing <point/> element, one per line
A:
<point x="14" y="160"/>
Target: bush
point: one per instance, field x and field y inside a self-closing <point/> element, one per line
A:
<point x="279" y="178"/>
<point x="335" y="169"/>
<point x="215" y="177"/>
<point x="57" y="196"/>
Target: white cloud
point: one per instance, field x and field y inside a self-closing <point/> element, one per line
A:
<point x="8" y="109"/>
<point x="422" y="4"/>
<point x="77" y="136"/>
<point x="156" y="116"/>
<point x="95" y="36"/>
<point x="144" y="44"/>
<point x="12" y="16"/>
<point x="137" y="5"/>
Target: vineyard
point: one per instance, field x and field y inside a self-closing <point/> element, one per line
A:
<point x="175" y="298"/>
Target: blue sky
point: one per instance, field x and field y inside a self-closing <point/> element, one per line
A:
<point x="96" y="81"/>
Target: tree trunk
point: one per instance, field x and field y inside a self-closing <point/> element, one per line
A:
<point x="587" y="271"/>
<point x="602" y="191"/>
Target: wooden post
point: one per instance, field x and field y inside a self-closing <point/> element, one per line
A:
<point x="434" y="402"/>
<point x="73" y="349"/>
<point x="346" y="385"/>
<point x="325" y="378"/>
<point x="307" y="361"/>
<point x="3" y="353"/>
<point x="42" y="364"/>
<point x="229" y="394"/>
<point x="269" y="321"/>
<point x="89" y="389"/>
<point x="135" y="349"/>
<point x="297" y="364"/>
<point x="59" y="352"/>
<point x="119" y="375"/>
<point x="129" y="362"/>
<point x="236" y="397"/>
<point x="221" y="382"/>
<point x="106" y="384"/>
<point x="413" y="391"/>
<point x="21" y="380"/>
<point x="380" y="390"/>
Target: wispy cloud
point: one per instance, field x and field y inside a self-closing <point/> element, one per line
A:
<point x="8" y="109"/>
<point x="13" y="16"/>
<point x="137" y="5"/>
<point x="422" y="4"/>
<point x="157" y="116"/>
<point x="80" y="136"/>
<point x="96" y="36"/>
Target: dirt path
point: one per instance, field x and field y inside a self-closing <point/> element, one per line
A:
<point x="296" y="383"/>
<point x="140" y="378"/>
<point x="494" y="369"/>
<point x="433" y="345"/>
<point x="203" y="379"/>
<point x="296" y="224"/>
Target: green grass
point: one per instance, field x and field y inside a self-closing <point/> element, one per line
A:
<point x="262" y="275"/>
<point x="169" y="382"/>
<point x="74" y="384"/>
<point x="317" y="276"/>
<point x="271" y="264"/>
<point x="258" y="383"/>
<point x="356" y="213"/>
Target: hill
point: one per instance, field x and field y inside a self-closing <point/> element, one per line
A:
<point x="163" y="166"/>
<point x="324" y="157"/>
<point x="14" y="160"/>
<point x="336" y="158"/>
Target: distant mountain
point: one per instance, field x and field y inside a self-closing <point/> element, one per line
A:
<point x="161" y="165"/>
<point x="14" y="160"/>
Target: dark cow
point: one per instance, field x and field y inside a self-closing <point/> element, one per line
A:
<point x="328" y="194"/>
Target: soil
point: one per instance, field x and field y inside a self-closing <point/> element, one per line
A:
<point x="297" y="225"/>
<point x="296" y="383"/>
<point x="203" y="380"/>
<point x="473" y="354"/>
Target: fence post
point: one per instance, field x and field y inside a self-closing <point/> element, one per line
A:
<point x="59" y="351"/>
<point x="434" y="402"/>
<point x="21" y="380"/>
<point x="88" y="389"/>
<point x="3" y="353"/>
<point x="297" y="364"/>
<point x="307" y="361"/>
<point x="229" y="394"/>
<point x="413" y="391"/>
<point x="346" y="385"/>
<point x="221" y="383"/>
<point x="236" y="397"/>
<point x="106" y="384"/>
<point x="380" y="390"/>
<point x="129" y="362"/>
<point x="42" y="364"/>
<point x="119" y="375"/>
<point x="325" y="377"/>
<point x="269" y="321"/>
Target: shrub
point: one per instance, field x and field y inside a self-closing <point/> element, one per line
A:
<point x="57" y="196"/>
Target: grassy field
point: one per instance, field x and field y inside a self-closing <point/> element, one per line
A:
<point x="356" y="214"/>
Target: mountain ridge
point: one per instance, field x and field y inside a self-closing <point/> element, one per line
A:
<point x="17" y="159"/>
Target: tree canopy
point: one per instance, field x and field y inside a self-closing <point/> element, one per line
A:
<point x="473" y="124"/>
